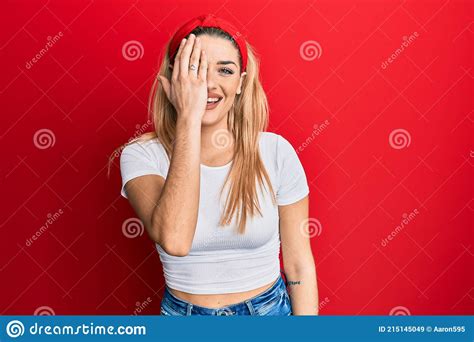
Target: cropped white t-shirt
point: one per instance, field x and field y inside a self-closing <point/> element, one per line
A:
<point x="220" y="259"/>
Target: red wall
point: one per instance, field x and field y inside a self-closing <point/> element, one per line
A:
<point x="91" y="99"/>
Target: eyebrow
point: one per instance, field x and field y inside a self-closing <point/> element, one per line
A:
<point x="226" y="62"/>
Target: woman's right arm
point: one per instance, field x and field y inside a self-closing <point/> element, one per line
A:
<point x="174" y="218"/>
<point x="169" y="208"/>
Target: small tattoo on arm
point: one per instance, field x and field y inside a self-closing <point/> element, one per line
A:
<point x="294" y="282"/>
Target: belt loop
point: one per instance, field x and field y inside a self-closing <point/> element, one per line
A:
<point x="189" y="309"/>
<point x="250" y="306"/>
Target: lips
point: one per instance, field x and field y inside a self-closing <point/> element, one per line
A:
<point x="213" y="102"/>
<point x="211" y="94"/>
<point x="214" y="96"/>
<point x="212" y="105"/>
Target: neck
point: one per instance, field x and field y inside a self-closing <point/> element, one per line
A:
<point x="216" y="138"/>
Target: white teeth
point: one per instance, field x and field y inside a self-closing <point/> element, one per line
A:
<point x="212" y="99"/>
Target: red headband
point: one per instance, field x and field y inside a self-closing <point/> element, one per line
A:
<point x="208" y="20"/>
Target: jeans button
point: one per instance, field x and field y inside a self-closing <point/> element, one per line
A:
<point x="224" y="312"/>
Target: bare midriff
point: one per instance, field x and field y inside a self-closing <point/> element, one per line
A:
<point x="215" y="301"/>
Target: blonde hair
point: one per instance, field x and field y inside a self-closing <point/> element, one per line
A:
<point x="247" y="117"/>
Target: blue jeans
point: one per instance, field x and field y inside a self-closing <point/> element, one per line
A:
<point x="274" y="301"/>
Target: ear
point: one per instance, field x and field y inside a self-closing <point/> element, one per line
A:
<point x="239" y="88"/>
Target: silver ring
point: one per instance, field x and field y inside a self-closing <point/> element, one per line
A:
<point x="192" y="67"/>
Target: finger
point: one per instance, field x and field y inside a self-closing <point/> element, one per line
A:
<point x="176" y="59"/>
<point x="203" y="66"/>
<point x="184" y="59"/>
<point x="195" y="56"/>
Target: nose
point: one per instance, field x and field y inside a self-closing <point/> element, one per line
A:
<point x="210" y="80"/>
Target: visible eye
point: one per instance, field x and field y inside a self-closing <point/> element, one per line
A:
<point x="227" y="71"/>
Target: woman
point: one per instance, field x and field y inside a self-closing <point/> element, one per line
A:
<point x="203" y="183"/>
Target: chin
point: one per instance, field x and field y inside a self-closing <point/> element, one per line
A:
<point x="212" y="117"/>
<point x="208" y="120"/>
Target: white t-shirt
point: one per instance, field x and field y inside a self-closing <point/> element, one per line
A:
<point x="220" y="259"/>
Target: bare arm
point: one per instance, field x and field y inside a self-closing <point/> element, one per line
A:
<point x="174" y="219"/>
<point x="170" y="208"/>
<point x="300" y="270"/>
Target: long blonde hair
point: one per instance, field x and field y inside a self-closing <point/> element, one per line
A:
<point x="247" y="117"/>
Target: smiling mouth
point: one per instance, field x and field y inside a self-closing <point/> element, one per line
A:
<point x="213" y="104"/>
<point x="211" y="100"/>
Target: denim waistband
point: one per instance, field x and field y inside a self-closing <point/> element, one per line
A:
<point x="185" y="307"/>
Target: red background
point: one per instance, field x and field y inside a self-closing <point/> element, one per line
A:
<point x="92" y="99"/>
